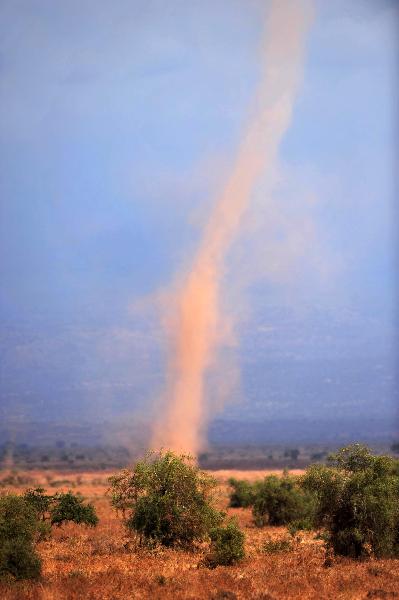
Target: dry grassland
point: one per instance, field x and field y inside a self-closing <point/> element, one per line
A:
<point x="103" y="564"/>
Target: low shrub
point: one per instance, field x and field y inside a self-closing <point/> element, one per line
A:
<point x="280" y="500"/>
<point x="19" y="560"/>
<point x="166" y="499"/>
<point x="71" y="507"/>
<point x="277" y="546"/>
<point x="17" y="519"/>
<point x="18" y="527"/>
<point x="227" y="545"/>
<point x="304" y="524"/>
<point x="243" y="494"/>
<point x="357" y="502"/>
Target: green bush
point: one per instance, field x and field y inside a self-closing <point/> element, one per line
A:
<point x="166" y="499"/>
<point x="227" y="545"/>
<point x="59" y="508"/>
<point x="18" y="527"/>
<point x="243" y="494"/>
<point x="280" y="500"/>
<point x="357" y="502"/>
<point x="71" y="507"/>
<point x="17" y="519"/>
<point x="27" y="519"/>
<point x="19" y="560"/>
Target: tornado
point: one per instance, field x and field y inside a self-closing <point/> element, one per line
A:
<point x="196" y="332"/>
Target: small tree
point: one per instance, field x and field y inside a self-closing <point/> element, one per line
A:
<point x="18" y="526"/>
<point x="357" y="502"/>
<point x="61" y="507"/>
<point x="166" y="499"/>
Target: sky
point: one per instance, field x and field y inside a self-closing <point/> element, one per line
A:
<point x="119" y="124"/>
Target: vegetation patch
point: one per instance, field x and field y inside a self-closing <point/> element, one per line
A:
<point x="280" y="501"/>
<point x="357" y="502"/>
<point x="277" y="546"/>
<point x="26" y="520"/>
<point x="18" y="527"/>
<point x="60" y="508"/>
<point x="243" y="493"/>
<point x="166" y="499"/>
<point x="227" y="545"/>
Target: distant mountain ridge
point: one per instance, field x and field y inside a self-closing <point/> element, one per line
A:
<point x="221" y="432"/>
<point x="307" y="365"/>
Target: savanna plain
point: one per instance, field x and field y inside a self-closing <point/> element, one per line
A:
<point x="105" y="563"/>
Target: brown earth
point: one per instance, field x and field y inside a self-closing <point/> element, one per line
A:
<point x="101" y="564"/>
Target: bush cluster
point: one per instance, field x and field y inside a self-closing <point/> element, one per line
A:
<point x="166" y="499"/>
<point x="357" y="502"/>
<point x="275" y="501"/>
<point x="280" y="501"/>
<point x="27" y="519"/>
<point x="353" y="500"/>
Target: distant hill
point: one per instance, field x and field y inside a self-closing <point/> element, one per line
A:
<point x="310" y="373"/>
<point x="222" y="432"/>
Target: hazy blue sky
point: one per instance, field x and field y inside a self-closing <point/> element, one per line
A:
<point x="119" y="122"/>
